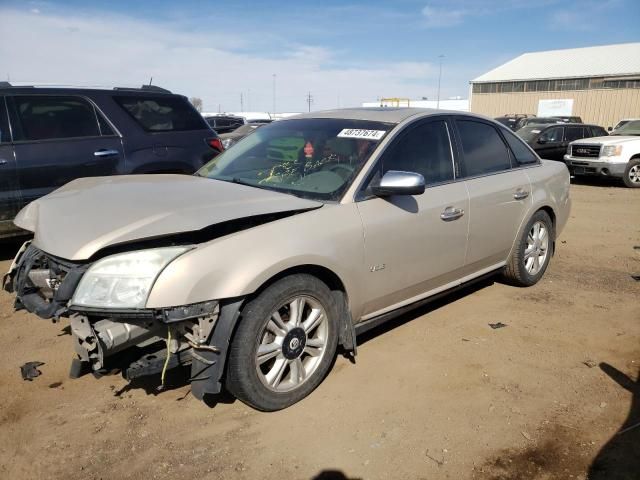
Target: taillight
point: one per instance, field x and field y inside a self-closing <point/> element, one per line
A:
<point x="215" y="143"/>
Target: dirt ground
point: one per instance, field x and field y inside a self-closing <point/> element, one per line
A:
<point x="437" y="394"/>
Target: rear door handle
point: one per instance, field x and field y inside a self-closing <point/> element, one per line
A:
<point x="520" y="194"/>
<point x="451" y="213"/>
<point x="106" y="153"/>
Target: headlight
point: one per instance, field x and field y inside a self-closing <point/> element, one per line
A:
<point x="227" y="142"/>
<point x="611" y="150"/>
<point x="569" y="149"/>
<point x="123" y="280"/>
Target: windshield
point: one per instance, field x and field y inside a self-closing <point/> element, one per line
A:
<point x="629" y="128"/>
<point x="528" y="133"/>
<point x="310" y="158"/>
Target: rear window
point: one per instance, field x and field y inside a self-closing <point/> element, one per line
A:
<point x="574" y="133"/>
<point x="162" y="113"/>
<point x="520" y="150"/>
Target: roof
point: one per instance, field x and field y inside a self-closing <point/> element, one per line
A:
<point x="602" y="61"/>
<point x="378" y="114"/>
<point x="49" y="89"/>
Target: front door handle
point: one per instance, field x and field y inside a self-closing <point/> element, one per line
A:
<point x="3" y="161"/>
<point x="106" y="153"/>
<point x="451" y="213"/>
<point x="520" y="194"/>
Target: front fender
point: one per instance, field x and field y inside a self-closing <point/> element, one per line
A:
<point x="238" y="264"/>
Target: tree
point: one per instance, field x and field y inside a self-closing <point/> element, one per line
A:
<point x="197" y="103"/>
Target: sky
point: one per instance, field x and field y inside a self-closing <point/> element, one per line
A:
<point x="232" y="53"/>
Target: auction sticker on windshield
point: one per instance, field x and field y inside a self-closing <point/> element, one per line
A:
<point x="362" y="134"/>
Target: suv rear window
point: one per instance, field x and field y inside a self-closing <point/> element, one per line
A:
<point x="162" y="114"/>
<point x="46" y="117"/>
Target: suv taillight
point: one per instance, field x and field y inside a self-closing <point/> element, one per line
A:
<point x="215" y="143"/>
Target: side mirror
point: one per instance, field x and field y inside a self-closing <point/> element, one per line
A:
<point x="395" y="182"/>
<point x="609" y="129"/>
<point x="542" y="140"/>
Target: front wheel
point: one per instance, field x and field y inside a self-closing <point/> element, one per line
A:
<point x="532" y="252"/>
<point x="631" y="176"/>
<point x="284" y="344"/>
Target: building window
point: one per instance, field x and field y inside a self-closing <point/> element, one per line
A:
<point x="555" y="85"/>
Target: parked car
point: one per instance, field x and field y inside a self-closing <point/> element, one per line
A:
<point x="523" y="122"/>
<point x="238" y="134"/>
<point x="616" y="155"/>
<point x="511" y="120"/>
<point x="551" y="141"/>
<point x="224" y="123"/>
<point x="622" y="122"/>
<point x="568" y="119"/>
<point x="50" y="136"/>
<point x="254" y="271"/>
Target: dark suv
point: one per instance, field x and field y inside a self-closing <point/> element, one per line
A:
<point x="551" y="141"/>
<point x="50" y="136"/>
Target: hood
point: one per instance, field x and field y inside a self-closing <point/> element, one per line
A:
<point x="608" y="140"/>
<point x="88" y="214"/>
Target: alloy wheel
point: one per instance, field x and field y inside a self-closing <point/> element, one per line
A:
<point x="537" y="249"/>
<point x="292" y="343"/>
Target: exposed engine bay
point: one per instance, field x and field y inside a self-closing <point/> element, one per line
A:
<point x="136" y="342"/>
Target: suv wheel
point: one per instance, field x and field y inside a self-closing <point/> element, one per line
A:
<point x="284" y="344"/>
<point x="631" y="176"/>
<point x="532" y="253"/>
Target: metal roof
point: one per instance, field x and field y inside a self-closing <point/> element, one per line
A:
<point x="603" y="61"/>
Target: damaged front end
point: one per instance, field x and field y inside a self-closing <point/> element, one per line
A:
<point x="137" y="342"/>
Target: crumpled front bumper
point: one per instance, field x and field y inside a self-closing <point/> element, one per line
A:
<point x="135" y="342"/>
<point x="43" y="284"/>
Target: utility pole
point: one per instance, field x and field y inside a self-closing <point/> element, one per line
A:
<point x="439" y="79"/>
<point x="309" y="101"/>
<point x="241" y="103"/>
<point x="274" y="93"/>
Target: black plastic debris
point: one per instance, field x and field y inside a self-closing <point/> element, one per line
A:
<point x="497" y="325"/>
<point x="636" y="277"/>
<point x="30" y="370"/>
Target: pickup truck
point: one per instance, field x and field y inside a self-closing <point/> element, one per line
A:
<point x="616" y="155"/>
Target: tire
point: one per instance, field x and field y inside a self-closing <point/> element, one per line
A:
<point x="275" y="361"/>
<point x="631" y="176"/>
<point x="521" y="270"/>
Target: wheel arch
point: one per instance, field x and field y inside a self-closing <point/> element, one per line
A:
<point x="548" y="209"/>
<point x="346" y="337"/>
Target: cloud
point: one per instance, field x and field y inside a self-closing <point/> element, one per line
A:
<point x="586" y="18"/>
<point x="102" y="49"/>
<point x="437" y="17"/>
<point x="450" y="13"/>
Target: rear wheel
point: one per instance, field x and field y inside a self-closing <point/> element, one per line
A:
<point x="532" y="252"/>
<point x="285" y="343"/>
<point x="631" y="176"/>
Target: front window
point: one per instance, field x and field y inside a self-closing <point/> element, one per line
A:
<point x="311" y="158"/>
